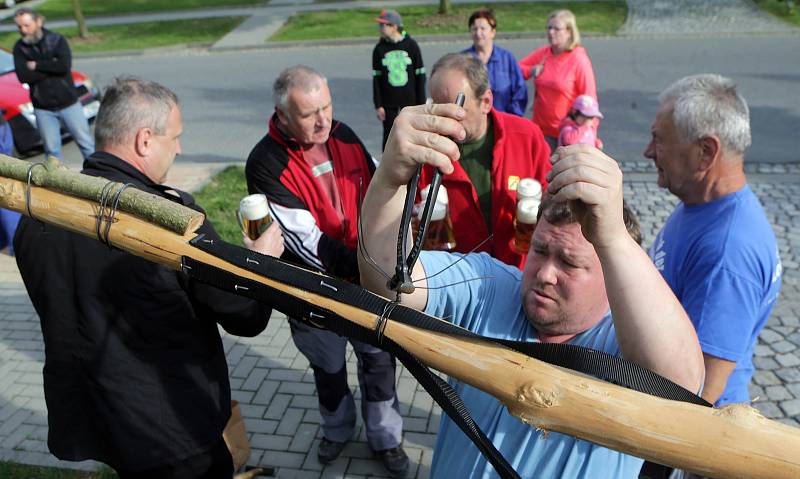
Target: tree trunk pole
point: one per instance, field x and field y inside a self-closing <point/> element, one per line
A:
<point x="52" y="174"/>
<point x="444" y="7"/>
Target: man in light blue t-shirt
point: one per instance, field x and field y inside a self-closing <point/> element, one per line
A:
<point x="582" y="283"/>
<point x="717" y="250"/>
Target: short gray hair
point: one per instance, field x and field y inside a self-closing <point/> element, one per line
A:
<point x="129" y="104"/>
<point x="298" y="76"/>
<point x="709" y="104"/>
<point x="28" y="11"/>
<point x="558" y="213"/>
<point x="471" y="67"/>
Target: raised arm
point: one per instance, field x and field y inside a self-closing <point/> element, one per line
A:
<point x="652" y="327"/>
<point x="419" y="136"/>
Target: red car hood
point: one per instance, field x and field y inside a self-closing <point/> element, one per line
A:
<point x="15" y="94"/>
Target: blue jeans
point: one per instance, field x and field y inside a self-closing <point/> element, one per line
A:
<point x="49" y="124"/>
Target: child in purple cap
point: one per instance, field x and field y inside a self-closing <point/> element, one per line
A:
<point x="580" y="124"/>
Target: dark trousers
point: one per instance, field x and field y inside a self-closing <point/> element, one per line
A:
<point x="391" y="114"/>
<point x="216" y="463"/>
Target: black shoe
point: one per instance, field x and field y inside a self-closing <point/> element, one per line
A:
<point x="395" y="460"/>
<point x="328" y="451"/>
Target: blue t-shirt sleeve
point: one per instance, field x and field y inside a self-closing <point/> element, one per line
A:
<point x="724" y="307"/>
<point x="461" y="292"/>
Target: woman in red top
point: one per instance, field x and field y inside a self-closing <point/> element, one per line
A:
<point x="561" y="70"/>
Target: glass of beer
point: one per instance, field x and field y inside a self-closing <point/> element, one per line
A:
<point x="253" y="215"/>
<point x="524" y="221"/>
<point x="439" y="236"/>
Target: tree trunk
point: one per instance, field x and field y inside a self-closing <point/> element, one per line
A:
<point x="444" y="7"/>
<point x="735" y="441"/>
<point x="83" y="30"/>
<point x="153" y="208"/>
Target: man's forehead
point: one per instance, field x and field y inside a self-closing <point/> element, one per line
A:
<point x="24" y="18"/>
<point x="445" y="82"/>
<point x="310" y="98"/>
<point x="561" y="237"/>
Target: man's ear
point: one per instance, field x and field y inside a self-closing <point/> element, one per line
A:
<point x="281" y="117"/>
<point x="710" y="149"/>
<point x="487" y="99"/>
<point x="142" y="141"/>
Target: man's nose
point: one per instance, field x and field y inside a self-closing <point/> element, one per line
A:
<point x="649" y="151"/>
<point x="547" y="272"/>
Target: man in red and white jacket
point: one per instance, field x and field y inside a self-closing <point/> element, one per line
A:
<point x="314" y="171"/>
<point x="500" y="149"/>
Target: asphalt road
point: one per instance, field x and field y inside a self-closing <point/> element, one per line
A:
<point x="226" y="96"/>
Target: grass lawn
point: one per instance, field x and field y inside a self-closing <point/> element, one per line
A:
<point x="62" y="9"/>
<point x="220" y="198"/>
<point x="779" y="9"/>
<point x="600" y="16"/>
<point x="10" y="470"/>
<point x="142" y="35"/>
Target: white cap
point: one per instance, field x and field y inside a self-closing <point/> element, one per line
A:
<point x="527" y="209"/>
<point x="529" y="188"/>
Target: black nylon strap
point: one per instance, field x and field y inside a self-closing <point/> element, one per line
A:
<point x="441" y="392"/>
<point x="596" y="363"/>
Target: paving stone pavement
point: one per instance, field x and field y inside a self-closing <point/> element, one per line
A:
<point x="681" y="17"/>
<point x="275" y="386"/>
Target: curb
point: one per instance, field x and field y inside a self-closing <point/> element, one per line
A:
<point x="445" y="38"/>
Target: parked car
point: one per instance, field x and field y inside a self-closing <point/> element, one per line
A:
<point x="15" y="102"/>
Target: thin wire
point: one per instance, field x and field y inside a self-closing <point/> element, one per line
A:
<point x="362" y="248"/>
<point x="107" y="210"/>
<point x="28" y="191"/>
<point x="101" y="211"/>
<point x="475" y="248"/>
<point x="380" y="324"/>
<point x="456" y="283"/>
<point x="113" y="212"/>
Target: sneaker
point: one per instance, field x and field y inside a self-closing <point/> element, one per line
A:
<point x="328" y="450"/>
<point x="395" y="460"/>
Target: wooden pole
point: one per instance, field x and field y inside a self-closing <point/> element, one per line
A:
<point x="735" y="441"/>
<point x="52" y="174"/>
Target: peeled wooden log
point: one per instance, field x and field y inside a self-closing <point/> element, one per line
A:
<point x="735" y="441"/>
<point x="148" y="206"/>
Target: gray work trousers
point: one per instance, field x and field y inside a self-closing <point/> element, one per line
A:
<point x="376" y="377"/>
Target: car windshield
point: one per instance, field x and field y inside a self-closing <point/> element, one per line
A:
<point x="6" y="62"/>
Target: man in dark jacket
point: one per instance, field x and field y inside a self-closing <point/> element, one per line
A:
<point x="43" y="60"/>
<point x="500" y="149"/>
<point x="398" y="74"/>
<point x="314" y="171"/>
<point x="135" y="373"/>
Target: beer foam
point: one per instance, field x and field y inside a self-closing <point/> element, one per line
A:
<point x="529" y="188"/>
<point x="254" y="207"/>
<point x="441" y="195"/>
<point x="439" y="211"/>
<point x="527" y="209"/>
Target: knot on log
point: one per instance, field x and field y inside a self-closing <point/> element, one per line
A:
<point x="740" y="412"/>
<point x="531" y="395"/>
